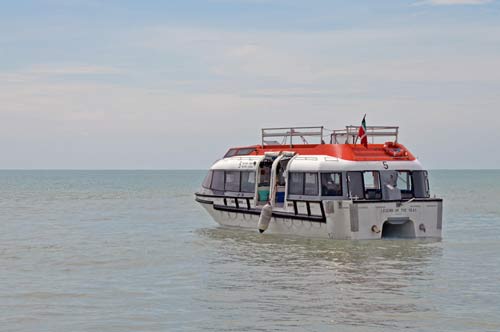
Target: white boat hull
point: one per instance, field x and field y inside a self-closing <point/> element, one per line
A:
<point x="277" y="225"/>
<point x="344" y="220"/>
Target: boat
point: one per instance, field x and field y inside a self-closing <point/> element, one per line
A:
<point x="295" y="183"/>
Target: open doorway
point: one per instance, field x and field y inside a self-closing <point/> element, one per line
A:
<point x="402" y="228"/>
<point x="280" y="185"/>
<point x="264" y="181"/>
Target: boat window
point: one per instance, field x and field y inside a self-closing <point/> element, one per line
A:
<point x="426" y="185"/>
<point x="232" y="182"/>
<point x="331" y="184"/>
<point x="296" y="183"/>
<point x="208" y="180"/>
<point x="371" y="182"/>
<point x="355" y="184"/>
<point x="244" y="152"/>
<point x="265" y="173"/>
<point x="218" y="180"/>
<point x="404" y="184"/>
<point x="230" y="153"/>
<point x="248" y="181"/>
<point x="281" y="171"/>
<point x="303" y="184"/>
<point x="311" y="184"/>
<point x="420" y="184"/>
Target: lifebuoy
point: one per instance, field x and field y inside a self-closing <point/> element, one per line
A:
<point x="395" y="149"/>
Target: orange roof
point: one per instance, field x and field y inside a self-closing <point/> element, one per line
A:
<point x="353" y="152"/>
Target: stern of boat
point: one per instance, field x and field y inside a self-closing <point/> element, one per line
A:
<point x="363" y="220"/>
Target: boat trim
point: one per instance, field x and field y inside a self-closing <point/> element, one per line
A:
<point x="276" y="214"/>
<point x="359" y="201"/>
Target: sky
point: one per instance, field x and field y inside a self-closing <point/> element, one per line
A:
<point x="108" y="84"/>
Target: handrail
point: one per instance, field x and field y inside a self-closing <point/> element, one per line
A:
<point x="290" y="132"/>
<point x="350" y="134"/>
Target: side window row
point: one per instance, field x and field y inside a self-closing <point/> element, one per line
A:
<point x="237" y="181"/>
<point x="306" y="183"/>
<point x="299" y="183"/>
<point x="361" y="184"/>
<point x="369" y="184"/>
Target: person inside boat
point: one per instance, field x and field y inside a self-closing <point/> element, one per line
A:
<point x="330" y="184"/>
<point x="390" y="188"/>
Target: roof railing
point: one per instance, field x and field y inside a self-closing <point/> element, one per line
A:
<point x="349" y="135"/>
<point x="285" y="135"/>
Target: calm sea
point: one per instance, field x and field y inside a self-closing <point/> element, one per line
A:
<point x="132" y="251"/>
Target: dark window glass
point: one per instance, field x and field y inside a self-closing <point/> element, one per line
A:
<point x="404" y="184"/>
<point x="372" y="185"/>
<point x="232" y="181"/>
<point x="208" y="180"/>
<point x="265" y="175"/>
<point x="230" y="153"/>
<point x="311" y="184"/>
<point x="281" y="178"/>
<point x="248" y="181"/>
<point x="355" y="184"/>
<point x="281" y="171"/>
<point x="296" y="183"/>
<point x="427" y="188"/>
<point x="218" y="180"/>
<point x="244" y="152"/>
<point x="331" y="184"/>
<point x="420" y="184"/>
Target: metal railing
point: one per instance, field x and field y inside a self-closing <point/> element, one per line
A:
<point x="285" y="135"/>
<point x="349" y="135"/>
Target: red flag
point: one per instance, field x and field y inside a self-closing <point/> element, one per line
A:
<point x="362" y="133"/>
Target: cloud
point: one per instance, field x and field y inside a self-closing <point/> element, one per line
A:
<point x="256" y="61"/>
<point x="42" y="72"/>
<point x="73" y="70"/>
<point x="453" y="2"/>
<point x="75" y="3"/>
<point x="205" y="85"/>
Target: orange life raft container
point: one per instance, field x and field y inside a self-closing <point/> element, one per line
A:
<point x="394" y="149"/>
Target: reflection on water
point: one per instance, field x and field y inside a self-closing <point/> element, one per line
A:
<point x="131" y="251"/>
<point x="294" y="281"/>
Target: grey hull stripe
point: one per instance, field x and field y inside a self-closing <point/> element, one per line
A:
<point x="440" y="216"/>
<point x="354" y="218"/>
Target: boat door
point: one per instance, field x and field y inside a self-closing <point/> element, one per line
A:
<point x="262" y="194"/>
<point x="278" y="178"/>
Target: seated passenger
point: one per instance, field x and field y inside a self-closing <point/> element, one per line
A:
<point x="330" y="189"/>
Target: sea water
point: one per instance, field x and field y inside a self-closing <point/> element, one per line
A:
<point x="132" y="251"/>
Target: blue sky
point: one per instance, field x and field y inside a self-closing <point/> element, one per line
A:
<point x="156" y="84"/>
